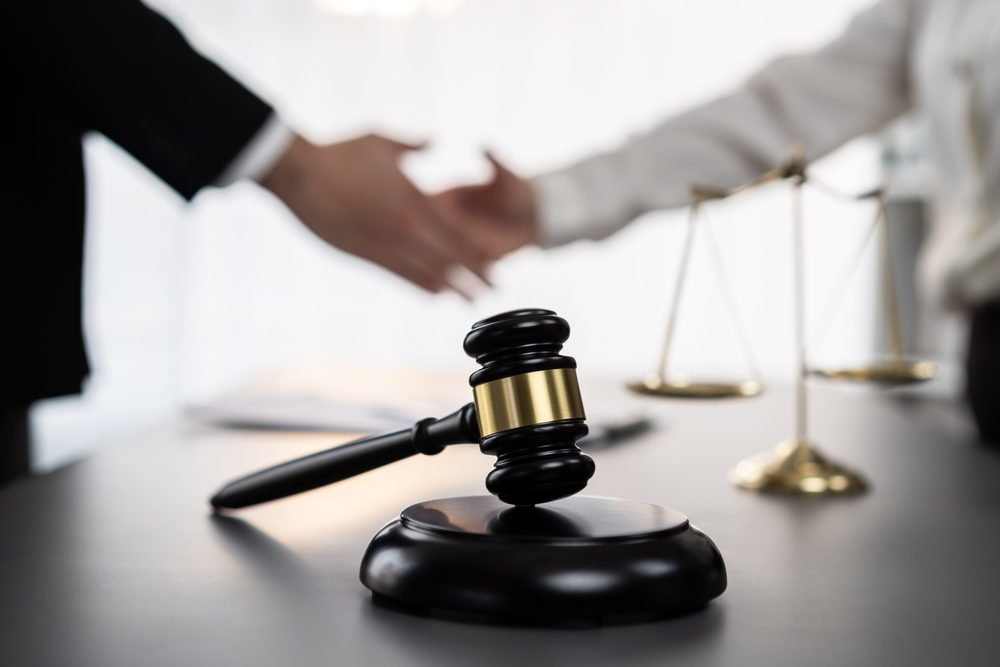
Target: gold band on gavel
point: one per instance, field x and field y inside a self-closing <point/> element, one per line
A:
<point x="531" y="398"/>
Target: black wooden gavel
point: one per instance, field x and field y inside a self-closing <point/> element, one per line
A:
<point x="527" y="412"/>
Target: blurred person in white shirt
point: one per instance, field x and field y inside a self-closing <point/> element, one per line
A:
<point x="938" y="57"/>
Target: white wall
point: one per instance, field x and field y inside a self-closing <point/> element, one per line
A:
<point x="185" y="301"/>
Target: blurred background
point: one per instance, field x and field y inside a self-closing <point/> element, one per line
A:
<point x="184" y="302"/>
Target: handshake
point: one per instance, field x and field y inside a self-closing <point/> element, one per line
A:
<point x="354" y="196"/>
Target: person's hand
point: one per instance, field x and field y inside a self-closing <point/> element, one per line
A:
<point x="500" y="215"/>
<point x="354" y="196"/>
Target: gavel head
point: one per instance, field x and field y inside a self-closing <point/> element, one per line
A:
<point x="528" y="406"/>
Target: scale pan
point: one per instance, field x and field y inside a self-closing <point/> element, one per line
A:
<point x="657" y="386"/>
<point x="891" y="373"/>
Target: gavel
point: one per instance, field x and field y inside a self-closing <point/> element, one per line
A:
<point x="527" y="412"/>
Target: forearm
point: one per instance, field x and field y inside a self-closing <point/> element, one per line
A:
<point x="823" y="99"/>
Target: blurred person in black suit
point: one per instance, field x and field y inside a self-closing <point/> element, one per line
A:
<point x="119" y="68"/>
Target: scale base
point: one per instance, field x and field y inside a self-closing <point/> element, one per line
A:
<point x="889" y="373"/>
<point x="655" y="385"/>
<point x="794" y="467"/>
<point x="577" y="561"/>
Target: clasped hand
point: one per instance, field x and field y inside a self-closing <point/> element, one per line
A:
<point x="354" y="196"/>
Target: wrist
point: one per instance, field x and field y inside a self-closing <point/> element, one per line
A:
<point x="531" y="213"/>
<point x="285" y="178"/>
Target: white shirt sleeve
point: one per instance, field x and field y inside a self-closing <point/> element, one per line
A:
<point x="260" y="154"/>
<point x="852" y="86"/>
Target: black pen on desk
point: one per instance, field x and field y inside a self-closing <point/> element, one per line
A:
<point x="611" y="433"/>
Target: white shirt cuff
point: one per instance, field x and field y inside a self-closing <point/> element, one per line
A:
<point x="261" y="153"/>
<point x="562" y="209"/>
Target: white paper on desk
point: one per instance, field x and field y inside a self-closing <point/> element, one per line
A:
<point x="302" y="413"/>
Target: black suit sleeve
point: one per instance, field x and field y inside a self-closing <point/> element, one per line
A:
<point x="120" y="68"/>
<point x="70" y="66"/>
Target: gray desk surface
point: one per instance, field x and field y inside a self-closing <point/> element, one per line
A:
<point x="117" y="561"/>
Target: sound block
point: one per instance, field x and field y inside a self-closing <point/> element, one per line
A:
<point x="580" y="560"/>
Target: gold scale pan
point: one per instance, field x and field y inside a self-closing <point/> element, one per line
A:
<point x="899" y="369"/>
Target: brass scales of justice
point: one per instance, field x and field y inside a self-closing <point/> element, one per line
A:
<point x="794" y="466"/>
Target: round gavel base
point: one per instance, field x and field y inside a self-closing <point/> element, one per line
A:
<point x="577" y="561"/>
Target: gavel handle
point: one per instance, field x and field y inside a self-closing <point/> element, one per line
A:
<point x="428" y="436"/>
